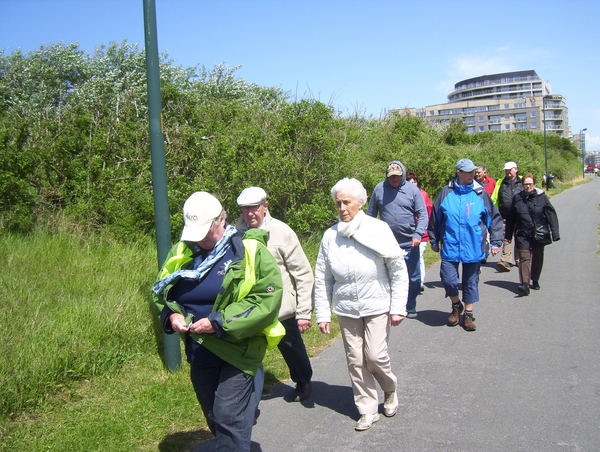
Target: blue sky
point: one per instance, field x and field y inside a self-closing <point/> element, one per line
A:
<point x="363" y="56"/>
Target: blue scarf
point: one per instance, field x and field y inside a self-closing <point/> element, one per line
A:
<point x="201" y="265"/>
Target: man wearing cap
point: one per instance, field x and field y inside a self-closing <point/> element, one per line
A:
<point x="298" y="280"/>
<point x="400" y="204"/>
<point x="505" y="190"/>
<point x="462" y="214"/>
<point x="222" y="290"/>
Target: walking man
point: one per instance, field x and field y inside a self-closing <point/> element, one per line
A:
<point x="400" y="204"/>
<point x="505" y="190"/>
<point x="298" y="280"/>
<point x="462" y="214"/>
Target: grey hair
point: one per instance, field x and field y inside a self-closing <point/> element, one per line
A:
<point x="352" y="187"/>
<point x="482" y="168"/>
<point x="222" y="217"/>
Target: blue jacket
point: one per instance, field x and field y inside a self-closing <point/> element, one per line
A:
<point x="402" y="208"/>
<point x="460" y="220"/>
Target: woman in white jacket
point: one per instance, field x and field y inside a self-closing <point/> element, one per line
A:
<point x="361" y="275"/>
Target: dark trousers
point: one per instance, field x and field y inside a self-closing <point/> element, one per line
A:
<point x="226" y="395"/>
<point x="293" y="350"/>
<point x="530" y="264"/>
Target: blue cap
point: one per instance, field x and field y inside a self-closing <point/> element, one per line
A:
<point x="465" y="165"/>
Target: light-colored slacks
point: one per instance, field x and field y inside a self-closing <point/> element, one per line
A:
<point x="366" y="345"/>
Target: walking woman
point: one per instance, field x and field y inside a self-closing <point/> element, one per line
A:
<point x="361" y="275"/>
<point x="529" y="208"/>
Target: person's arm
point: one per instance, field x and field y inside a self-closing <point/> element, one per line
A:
<point x="259" y="308"/>
<point x="301" y="274"/>
<point x="552" y="218"/>
<point x="323" y="290"/>
<point x="373" y="208"/>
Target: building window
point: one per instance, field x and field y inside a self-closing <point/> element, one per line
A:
<point x="496" y="127"/>
<point x="506" y="106"/>
<point x="507" y="116"/>
<point x="481" y="118"/>
<point x="522" y="126"/>
<point x="533" y="114"/>
<point x="470" y="129"/>
<point x="506" y="126"/>
<point x="521" y="117"/>
<point x="532" y="103"/>
<point x="520" y="105"/>
<point x="482" y="108"/>
<point x="533" y="125"/>
<point x="481" y="128"/>
<point x="431" y="113"/>
<point x="494" y="107"/>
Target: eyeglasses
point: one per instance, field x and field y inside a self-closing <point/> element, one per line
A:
<point x="527" y="185"/>
<point x="251" y="208"/>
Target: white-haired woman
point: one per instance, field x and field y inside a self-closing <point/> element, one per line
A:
<point x="361" y="276"/>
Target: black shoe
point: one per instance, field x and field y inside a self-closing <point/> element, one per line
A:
<point x="535" y="285"/>
<point x="302" y="391"/>
<point x="524" y="288"/>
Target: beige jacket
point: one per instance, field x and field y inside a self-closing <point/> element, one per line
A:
<point x="296" y="271"/>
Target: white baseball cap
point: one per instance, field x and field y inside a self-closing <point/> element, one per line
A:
<point x="510" y="165"/>
<point x="199" y="211"/>
<point x="252" y="196"/>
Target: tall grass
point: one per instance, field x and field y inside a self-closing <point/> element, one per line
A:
<point x="72" y="309"/>
<point x="80" y="368"/>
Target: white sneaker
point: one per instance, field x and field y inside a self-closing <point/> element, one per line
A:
<point x="365" y="421"/>
<point x="390" y="406"/>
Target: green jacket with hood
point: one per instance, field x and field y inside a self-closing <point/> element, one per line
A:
<point x="245" y="311"/>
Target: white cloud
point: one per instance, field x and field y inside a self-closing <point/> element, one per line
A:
<point x="490" y="61"/>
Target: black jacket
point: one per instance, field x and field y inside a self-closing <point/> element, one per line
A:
<point x="519" y="221"/>
<point x="506" y="193"/>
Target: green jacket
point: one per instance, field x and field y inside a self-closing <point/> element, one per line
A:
<point x="247" y="305"/>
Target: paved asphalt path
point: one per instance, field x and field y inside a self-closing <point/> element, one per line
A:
<point x="527" y="380"/>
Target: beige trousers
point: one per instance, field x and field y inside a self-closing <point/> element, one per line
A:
<point x="366" y="344"/>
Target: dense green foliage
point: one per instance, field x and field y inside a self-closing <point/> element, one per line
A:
<point x="74" y="141"/>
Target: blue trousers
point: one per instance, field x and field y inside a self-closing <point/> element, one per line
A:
<point x="226" y="395"/>
<point x="413" y="265"/>
<point x="470" y="280"/>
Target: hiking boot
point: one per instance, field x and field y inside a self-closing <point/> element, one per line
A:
<point x="302" y="391"/>
<point x="524" y="288"/>
<point x="503" y="266"/>
<point x="468" y="323"/>
<point x="535" y="285"/>
<point x="390" y="405"/>
<point x="365" y="421"/>
<point x="457" y="309"/>
<point x="411" y="314"/>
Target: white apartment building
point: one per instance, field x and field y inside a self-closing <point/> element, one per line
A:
<point x="497" y="102"/>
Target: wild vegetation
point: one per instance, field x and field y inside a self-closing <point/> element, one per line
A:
<point x="79" y="356"/>
<point x="74" y="141"/>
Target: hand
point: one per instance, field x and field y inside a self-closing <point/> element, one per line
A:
<point x="396" y="319"/>
<point x="178" y="323"/>
<point x="303" y="325"/>
<point x="202" y="326"/>
<point x="494" y="250"/>
<point x="415" y="242"/>
<point x="324" y="327"/>
<point x="435" y="248"/>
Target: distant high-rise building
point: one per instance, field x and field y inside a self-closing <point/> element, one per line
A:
<point x="509" y="101"/>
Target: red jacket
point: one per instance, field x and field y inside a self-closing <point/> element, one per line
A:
<point x="488" y="184"/>
<point x="429" y="206"/>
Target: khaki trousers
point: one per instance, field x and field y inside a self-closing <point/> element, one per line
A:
<point x="366" y="344"/>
